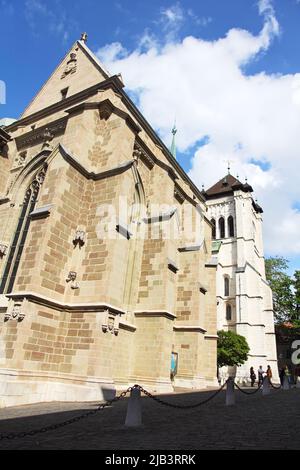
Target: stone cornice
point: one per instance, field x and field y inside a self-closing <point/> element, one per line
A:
<point x="4" y="137"/>
<point x="127" y="326"/>
<point x="36" y="136"/>
<point x="112" y="82"/>
<point x="4" y="200"/>
<point x="185" y="249"/>
<point x="73" y="161"/>
<point x="155" y="313"/>
<point x="66" y="306"/>
<point x="189" y="328"/>
<point x="160" y="217"/>
<point x="180" y="194"/>
<point x="41" y="212"/>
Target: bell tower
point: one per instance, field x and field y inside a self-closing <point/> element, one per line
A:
<point x="244" y="298"/>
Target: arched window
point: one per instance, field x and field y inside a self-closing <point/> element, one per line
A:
<point x="213" y="223"/>
<point x="228" y="312"/>
<point x="230" y="226"/>
<point x="226" y="286"/>
<point x="221" y="227"/>
<point x="19" y="239"/>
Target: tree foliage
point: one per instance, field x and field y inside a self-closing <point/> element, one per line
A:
<point x="233" y="349"/>
<point x="282" y="287"/>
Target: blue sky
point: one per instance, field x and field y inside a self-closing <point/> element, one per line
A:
<point x="37" y="33"/>
<point x="264" y="43"/>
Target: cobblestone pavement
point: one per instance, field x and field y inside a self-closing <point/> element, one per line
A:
<point x="254" y="422"/>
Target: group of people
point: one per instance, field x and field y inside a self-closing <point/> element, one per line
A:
<point x="284" y="372"/>
<point x="261" y="374"/>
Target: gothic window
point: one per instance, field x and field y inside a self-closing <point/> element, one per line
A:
<point x="230" y="226"/>
<point x="14" y="257"/>
<point x="226" y="286"/>
<point x="213" y="222"/>
<point x="221" y="227"/>
<point x="228" y="312"/>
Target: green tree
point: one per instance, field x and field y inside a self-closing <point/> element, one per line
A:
<point x="296" y="288"/>
<point x="282" y="287"/>
<point x="232" y="350"/>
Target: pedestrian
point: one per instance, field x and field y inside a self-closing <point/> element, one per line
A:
<point x="288" y="374"/>
<point x="281" y="375"/>
<point x="260" y="374"/>
<point x="252" y="376"/>
<point x="269" y="373"/>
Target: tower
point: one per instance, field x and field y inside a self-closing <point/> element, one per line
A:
<point x="244" y="298"/>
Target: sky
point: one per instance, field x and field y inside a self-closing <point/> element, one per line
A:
<point x="228" y="72"/>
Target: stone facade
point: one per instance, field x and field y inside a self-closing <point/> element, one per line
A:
<point x="244" y="298"/>
<point x="94" y="297"/>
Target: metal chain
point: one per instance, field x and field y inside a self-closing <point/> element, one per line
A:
<point x="274" y="386"/>
<point x="247" y="393"/>
<point x="162" y="402"/>
<point x="53" y="427"/>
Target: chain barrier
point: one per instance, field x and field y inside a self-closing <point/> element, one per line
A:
<point x="53" y="427"/>
<point x="274" y="386"/>
<point x="244" y="391"/>
<point x="162" y="402"/>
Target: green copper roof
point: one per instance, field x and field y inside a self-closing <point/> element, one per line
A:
<point x="215" y="246"/>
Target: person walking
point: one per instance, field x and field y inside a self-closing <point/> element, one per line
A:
<point x="260" y="374"/>
<point x="269" y="373"/>
<point x="281" y="375"/>
<point x="252" y="376"/>
<point x="288" y="374"/>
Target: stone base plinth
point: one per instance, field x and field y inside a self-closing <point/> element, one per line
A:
<point x="18" y="390"/>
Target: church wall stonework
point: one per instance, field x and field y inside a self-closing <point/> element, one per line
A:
<point x="109" y="277"/>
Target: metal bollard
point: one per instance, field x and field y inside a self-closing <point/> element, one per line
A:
<point x="298" y="382"/>
<point x="134" y="409"/>
<point x="230" y="397"/>
<point x="286" y="383"/>
<point x="266" y="386"/>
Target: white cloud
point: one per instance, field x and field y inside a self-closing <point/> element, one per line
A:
<point x="247" y="118"/>
<point x="172" y="15"/>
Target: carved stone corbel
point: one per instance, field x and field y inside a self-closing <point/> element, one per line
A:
<point x="79" y="238"/>
<point x="7" y="316"/>
<point x="72" y="279"/>
<point x="47" y="137"/>
<point x="3" y="249"/>
<point x="110" y="323"/>
<point x="15" y="313"/>
<point x="140" y="154"/>
<point x="105" y="109"/>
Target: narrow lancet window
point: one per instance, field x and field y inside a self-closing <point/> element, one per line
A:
<point x="221" y="227"/>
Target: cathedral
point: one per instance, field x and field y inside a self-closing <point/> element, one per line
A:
<point x="115" y="268"/>
<point x="244" y="298"/>
<point x="106" y="270"/>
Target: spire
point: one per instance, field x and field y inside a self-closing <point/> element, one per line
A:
<point x="173" y="146"/>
